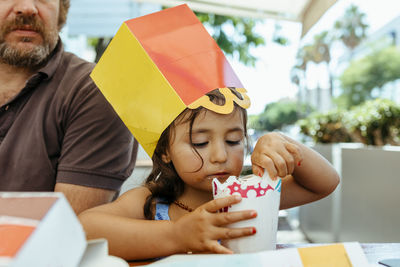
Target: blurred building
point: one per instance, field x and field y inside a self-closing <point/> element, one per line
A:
<point x="387" y="35"/>
<point x="98" y="18"/>
<point x="315" y="89"/>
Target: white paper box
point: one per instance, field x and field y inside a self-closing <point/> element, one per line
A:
<point x="260" y="194"/>
<point x="57" y="238"/>
<point x="96" y="255"/>
<point x="41" y="229"/>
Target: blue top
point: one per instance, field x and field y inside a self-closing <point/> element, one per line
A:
<point x="162" y="212"/>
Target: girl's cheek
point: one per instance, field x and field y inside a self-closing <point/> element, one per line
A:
<point x="192" y="162"/>
<point x="239" y="159"/>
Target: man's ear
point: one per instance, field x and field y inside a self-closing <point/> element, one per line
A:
<point x="166" y="158"/>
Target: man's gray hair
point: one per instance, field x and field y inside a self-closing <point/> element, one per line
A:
<point x="64" y="6"/>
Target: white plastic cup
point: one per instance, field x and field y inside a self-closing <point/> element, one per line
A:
<point x="260" y="194"/>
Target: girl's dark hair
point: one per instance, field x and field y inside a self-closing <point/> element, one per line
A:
<point x="164" y="182"/>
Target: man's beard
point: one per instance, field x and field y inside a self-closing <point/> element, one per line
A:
<point x="26" y="58"/>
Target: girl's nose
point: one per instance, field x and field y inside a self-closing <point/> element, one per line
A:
<point x="218" y="153"/>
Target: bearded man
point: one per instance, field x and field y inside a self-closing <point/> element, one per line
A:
<point x="57" y="131"/>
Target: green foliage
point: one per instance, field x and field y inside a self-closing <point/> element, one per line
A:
<point x="365" y="74"/>
<point x="240" y="42"/>
<point x="325" y="127"/>
<point x="278" y="37"/>
<point x="92" y="41"/>
<point x="375" y="122"/>
<point x="99" y="45"/>
<point x="351" y="27"/>
<point x="276" y="115"/>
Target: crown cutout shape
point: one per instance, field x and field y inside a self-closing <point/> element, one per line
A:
<point x="249" y="191"/>
<point x="249" y="187"/>
<point x="226" y="108"/>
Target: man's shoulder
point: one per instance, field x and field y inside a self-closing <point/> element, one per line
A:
<point x="73" y="63"/>
<point x="72" y="76"/>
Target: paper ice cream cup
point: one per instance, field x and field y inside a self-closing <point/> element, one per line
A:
<point x="260" y="194"/>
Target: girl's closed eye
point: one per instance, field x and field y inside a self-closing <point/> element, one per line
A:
<point x="234" y="138"/>
<point x="200" y="144"/>
<point x="234" y="142"/>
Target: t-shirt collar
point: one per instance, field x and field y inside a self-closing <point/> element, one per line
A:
<point x="50" y="68"/>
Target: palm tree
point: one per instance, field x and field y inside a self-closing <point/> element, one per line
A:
<point x="321" y="53"/>
<point x="298" y="72"/>
<point x="351" y="28"/>
<point x="321" y="48"/>
<point x="317" y="52"/>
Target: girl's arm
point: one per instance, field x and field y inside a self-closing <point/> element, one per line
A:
<point x="131" y="237"/>
<point x="307" y="175"/>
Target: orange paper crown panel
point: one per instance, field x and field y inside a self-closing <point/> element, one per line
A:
<point x="156" y="66"/>
<point x="184" y="52"/>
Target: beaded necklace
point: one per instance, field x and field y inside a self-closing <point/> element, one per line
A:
<point x="183" y="206"/>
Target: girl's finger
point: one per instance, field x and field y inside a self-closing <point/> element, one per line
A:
<point x="280" y="164"/>
<point x="265" y="162"/>
<point x="257" y="170"/>
<point x="289" y="160"/>
<point x="220" y="203"/>
<point x="295" y="151"/>
<point x="225" y="218"/>
<point x="216" y="247"/>
<point x="231" y="233"/>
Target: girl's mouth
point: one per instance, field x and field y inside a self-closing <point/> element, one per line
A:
<point x="222" y="176"/>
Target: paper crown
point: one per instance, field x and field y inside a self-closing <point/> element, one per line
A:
<point x="159" y="64"/>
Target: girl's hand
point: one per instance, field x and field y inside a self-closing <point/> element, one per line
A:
<point x="276" y="154"/>
<point x="200" y="230"/>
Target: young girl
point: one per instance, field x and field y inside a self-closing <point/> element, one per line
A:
<point x="174" y="211"/>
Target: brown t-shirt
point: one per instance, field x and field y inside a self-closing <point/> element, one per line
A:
<point x="60" y="128"/>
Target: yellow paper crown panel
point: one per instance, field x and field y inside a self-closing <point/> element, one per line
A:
<point x="139" y="93"/>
